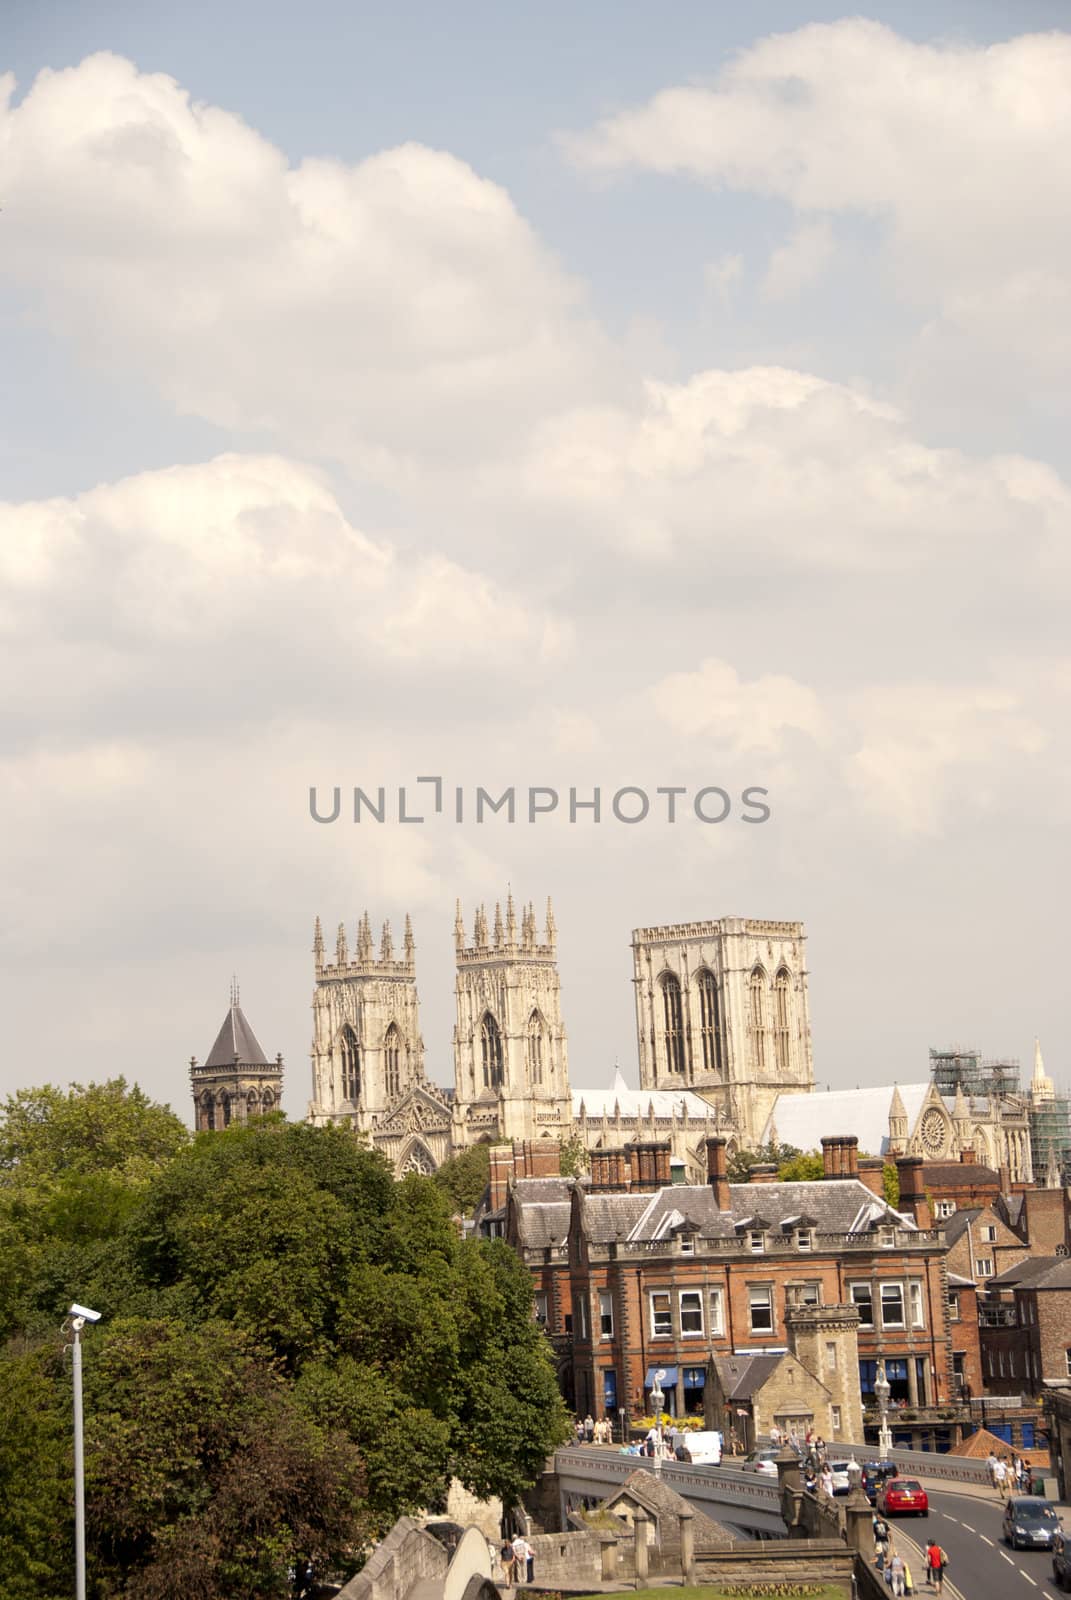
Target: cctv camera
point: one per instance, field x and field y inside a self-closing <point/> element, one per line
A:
<point x="84" y="1311"/>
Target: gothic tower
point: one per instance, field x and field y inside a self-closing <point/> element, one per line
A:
<point x="236" y="1080"/>
<point x="511" y="1069"/>
<point x="366" y="1050"/>
<point x="722" y="1009"/>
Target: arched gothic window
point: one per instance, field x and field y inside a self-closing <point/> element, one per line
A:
<point x="351" y="1064"/>
<point x="782" y="994"/>
<point x="491" y="1045"/>
<point x="392" y="1055"/>
<point x="534" y="1048"/>
<point x="757" y="1008"/>
<point x="225" y="1107"/>
<point x="710" y="1023"/>
<point x="208" y="1113"/>
<point x="671" y="1004"/>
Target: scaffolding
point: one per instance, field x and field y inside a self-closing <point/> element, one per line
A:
<point x="965" y="1069"/>
<point x="1050" y="1135"/>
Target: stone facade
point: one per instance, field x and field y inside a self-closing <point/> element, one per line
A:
<point x="721" y="1007"/>
<point x="236" y="1080"/>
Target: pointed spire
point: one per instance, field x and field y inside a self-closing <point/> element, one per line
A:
<point x="498" y="926"/>
<point x="341" y="950"/>
<point x="459" y="929"/>
<point x="552" y="927"/>
<point x="318" y="947"/>
<point x="386" y="944"/>
<point x="960" y="1109"/>
<point x="480" y="928"/>
<point x="234" y="990"/>
<point x="511" y="919"/>
<point x="1041" y="1085"/>
<point x="1053" y="1176"/>
<point x="896" y="1104"/>
<point x="364" y="939"/>
<point x="409" y="945"/>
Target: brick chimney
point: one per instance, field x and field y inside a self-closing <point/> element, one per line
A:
<point x="831" y="1157"/>
<point x="609" y="1170"/>
<point x="850" y="1155"/>
<point x="649" y="1165"/>
<point x="763" y="1172"/>
<point x="716" y="1174"/>
<point x="967" y="1155"/>
<point x="871" y="1171"/>
<point x="500" y="1173"/>
<point x="913" y="1199"/>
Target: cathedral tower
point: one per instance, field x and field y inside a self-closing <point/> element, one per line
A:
<point x="721" y="1008"/>
<point x="511" y="1069"/>
<point x="236" y="1080"/>
<point x="367" y="1051"/>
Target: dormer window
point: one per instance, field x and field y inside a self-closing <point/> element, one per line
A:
<point x="803" y="1239"/>
<point x="756" y="1242"/>
<point x="687" y="1244"/>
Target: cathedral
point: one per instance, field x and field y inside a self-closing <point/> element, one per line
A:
<point x="722" y="1031"/>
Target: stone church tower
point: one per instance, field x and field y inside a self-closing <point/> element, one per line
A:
<point x="367" y="1051"/>
<point x="511" y="1069"/>
<point x="236" y="1080"/>
<point x="721" y="1009"/>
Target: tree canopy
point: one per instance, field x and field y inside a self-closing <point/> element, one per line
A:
<point x="294" y="1349"/>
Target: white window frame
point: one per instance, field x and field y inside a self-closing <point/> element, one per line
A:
<point x="687" y="1243"/>
<point x="831" y="1355"/>
<point x="656" y="1331"/>
<point x="943" y="1209"/>
<point x="804" y="1239"/>
<point x="988" y="1233"/>
<point x="811" y="1293"/>
<point x="540" y="1306"/>
<point x="760" y="1295"/>
<point x="892" y="1283"/>
<point x="606" y="1314"/>
<point x="916" y="1302"/>
<point x="756" y="1242"/>
<point x="834" y="1417"/>
<point x="984" y="1265"/>
<point x="868" y="1301"/>
<point x="953" y="1305"/>
<point x="695" y="1295"/>
<point x="716" y="1304"/>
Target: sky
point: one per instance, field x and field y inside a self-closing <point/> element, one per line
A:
<point x="567" y="398"/>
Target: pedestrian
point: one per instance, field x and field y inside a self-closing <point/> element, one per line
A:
<point x="825" y="1481"/>
<point x="579" y="1431"/>
<point x="881" y="1542"/>
<point x="936" y="1562"/>
<point x="589" y="1429"/>
<point x="505" y="1555"/>
<point x="991" y="1463"/>
<point x="522" y="1557"/>
<point x="896" y="1568"/>
<point x="775" y="1437"/>
<point x="1000" y="1476"/>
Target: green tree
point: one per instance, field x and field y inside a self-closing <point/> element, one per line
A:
<point x="36" y="1476"/>
<point x="464" y="1177"/>
<point x="574" y="1158"/>
<point x="805" y="1168"/>
<point x="890" y="1183"/>
<point x="740" y="1163"/>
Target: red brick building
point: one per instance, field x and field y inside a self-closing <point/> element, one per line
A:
<point x="663" y="1276"/>
<point x="1025" y="1327"/>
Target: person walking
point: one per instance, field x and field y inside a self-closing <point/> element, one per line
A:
<point x="896" y="1569"/>
<point x="523" y="1559"/>
<point x="991" y="1463"/>
<point x="589" y="1429"/>
<point x="506" y="1556"/>
<point x="936" y="1562"/>
<point x="881" y="1542"/>
<point x="1000" y="1475"/>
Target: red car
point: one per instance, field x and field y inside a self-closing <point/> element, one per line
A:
<point x="901" y="1497"/>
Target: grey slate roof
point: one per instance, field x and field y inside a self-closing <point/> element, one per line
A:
<point x="954" y="1226"/>
<point x="236" y="1038"/>
<point x="656" y="1496"/>
<point x="741" y="1375"/>
<point x="1030" y="1271"/>
<point x="834" y="1207"/>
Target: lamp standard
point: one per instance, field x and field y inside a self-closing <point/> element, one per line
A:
<point x="621" y="1418"/>
<point x="657" y="1397"/>
<point x="79" y="1316"/>
<point x="882" y="1390"/>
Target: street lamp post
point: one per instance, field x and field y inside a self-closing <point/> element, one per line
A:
<point x="882" y="1390"/>
<point x="621" y="1418"/>
<point x="657" y="1397"/>
<point x="79" y="1316"/>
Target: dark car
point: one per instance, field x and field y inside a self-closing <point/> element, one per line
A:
<point x="875" y="1473"/>
<point x="903" y="1497"/>
<point x="1030" y="1523"/>
<point x="1061" y="1561"/>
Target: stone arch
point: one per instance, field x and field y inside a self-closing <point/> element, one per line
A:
<point x="416" y="1157"/>
<point x="535" y="1046"/>
<point x="673" y="1021"/>
<point x="711" y="1021"/>
<point x="392" y="1062"/>
<point x="491" y="1052"/>
<point x="349" y="1051"/>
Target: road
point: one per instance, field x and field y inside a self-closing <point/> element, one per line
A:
<point x="980" y="1564"/>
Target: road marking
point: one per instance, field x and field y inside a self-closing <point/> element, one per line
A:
<point x="968" y="1527"/>
<point x="1027" y="1576"/>
<point x="948" y="1518"/>
<point x="984" y="1540"/>
<point x="1008" y="1559"/>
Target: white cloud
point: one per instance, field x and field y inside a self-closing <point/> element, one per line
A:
<point x="193" y="592"/>
<point x="734" y="465"/>
<point x="794" y="266"/>
<point x="714" y="703"/>
<point x="387" y="313"/>
<point x="960" y="153"/>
